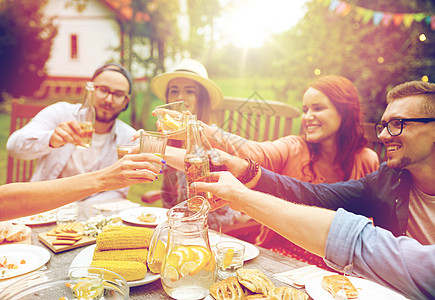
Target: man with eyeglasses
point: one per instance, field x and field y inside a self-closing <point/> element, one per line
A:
<point x="52" y="135"/>
<point x="399" y="197"/>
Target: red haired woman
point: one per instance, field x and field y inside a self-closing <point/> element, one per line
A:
<point x="331" y="149"/>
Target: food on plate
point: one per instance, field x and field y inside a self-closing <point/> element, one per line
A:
<point x="95" y="225"/>
<point x="5" y="227"/>
<point x="8" y="263"/>
<point x="286" y="292"/>
<point x="124" y="237"/>
<point x="13" y="233"/>
<point x="260" y="297"/>
<point x="124" y="250"/>
<point x="254" y="285"/>
<point x="139" y="255"/>
<point x="334" y="283"/>
<point x="255" y="280"/>
<point x="129" y="270"/>
<point x="227" y="289"/>
<point x="147" y="218"/>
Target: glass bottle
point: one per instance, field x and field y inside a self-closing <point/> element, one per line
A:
<point x="196" y="162"/>
<point x="213" y="155"/>
<point x="86" y="116"/>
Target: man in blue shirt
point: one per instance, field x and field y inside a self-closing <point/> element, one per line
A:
<point x="400" y="197"/>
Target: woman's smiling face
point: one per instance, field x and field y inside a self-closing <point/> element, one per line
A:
<point x="184" y="89"/>
<point x="320" y="117"/>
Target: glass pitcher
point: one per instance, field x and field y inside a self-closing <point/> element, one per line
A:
<point x="188" y="268"/>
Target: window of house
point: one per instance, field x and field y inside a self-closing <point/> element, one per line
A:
<point x="74" y="46"/>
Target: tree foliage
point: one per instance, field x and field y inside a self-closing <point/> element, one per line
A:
<point x="25" y="43"/>
<point x="375" y="58"/>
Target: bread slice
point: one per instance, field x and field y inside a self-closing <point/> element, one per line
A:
<point x="334" y="283"/>
<point x="227" y="289"/>
<point x="18" y="233"/>
<point x="255" y="281"/>
<point x="288" y="293"/>
<point x="260" y="297"/>
<point x="5" y="227"/>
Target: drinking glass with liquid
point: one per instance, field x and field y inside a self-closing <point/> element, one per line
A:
<point x="229" y="258"/>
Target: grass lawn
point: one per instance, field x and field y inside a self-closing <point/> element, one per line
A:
<point x="243" y="88"/>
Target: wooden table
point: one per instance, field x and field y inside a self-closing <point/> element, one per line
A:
<point x="269" y="262"/>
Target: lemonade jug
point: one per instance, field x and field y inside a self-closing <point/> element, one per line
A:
<point x="188" y="266"/>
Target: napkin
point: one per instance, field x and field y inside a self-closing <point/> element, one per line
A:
<point x="116" y="206"/>
<point x="298" y="277"/>
<point x="7" y="282"/>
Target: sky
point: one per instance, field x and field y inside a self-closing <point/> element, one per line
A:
<point x="248" y="23"/>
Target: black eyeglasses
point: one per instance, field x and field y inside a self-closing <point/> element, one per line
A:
<point x="395" y="126"/>
<point x="102" y="92"/>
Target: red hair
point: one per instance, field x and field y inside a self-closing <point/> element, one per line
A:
<point x="350" y="136"/>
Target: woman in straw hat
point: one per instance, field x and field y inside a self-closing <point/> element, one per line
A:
<point x="189" y="82"/>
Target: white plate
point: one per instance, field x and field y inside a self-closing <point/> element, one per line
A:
<point x="37" y="219"/>
<point x="251" y="251"/>
<point x="34" y="256"/>
<point x="368" y="290"/>
<point x="130" y="215"/>
<point x="84" y="259"/>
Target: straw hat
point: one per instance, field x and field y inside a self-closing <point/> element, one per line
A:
<point x="192" y="69"/>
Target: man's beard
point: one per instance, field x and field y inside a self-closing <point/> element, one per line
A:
<point x="103" y="118"/>
<point x="402" y="164"/>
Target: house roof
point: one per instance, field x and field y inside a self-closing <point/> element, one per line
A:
<point x="124" y="10"/>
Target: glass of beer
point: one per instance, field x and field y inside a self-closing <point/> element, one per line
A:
<point x="123" y="149"/>
<point x="153" y="142"/>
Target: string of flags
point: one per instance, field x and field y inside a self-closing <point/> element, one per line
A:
<point x="365" y="15"/>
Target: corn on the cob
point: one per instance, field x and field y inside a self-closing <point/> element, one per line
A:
<point x="139" y="255"/>
<point x="129" y="270"/>
<point x="155" y="265"/>
<point x="124" y="237"/>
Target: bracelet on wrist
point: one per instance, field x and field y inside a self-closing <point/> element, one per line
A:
<point x="251" y="171"/>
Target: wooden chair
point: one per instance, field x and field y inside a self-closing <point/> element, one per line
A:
<point x="374" y="142"/>
<point x="255" y="119"/>
<point x="21" y="170"/>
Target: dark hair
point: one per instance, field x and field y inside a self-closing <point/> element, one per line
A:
<point x="116" y="68"/>
<point x="350" y="137"/>
<point x="416" y="88"/>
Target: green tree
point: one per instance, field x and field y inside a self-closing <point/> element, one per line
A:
<point x="25" y="43"/>
<point x="374" y="57"/>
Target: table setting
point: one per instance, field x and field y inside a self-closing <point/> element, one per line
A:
<point x="281" y="271"/>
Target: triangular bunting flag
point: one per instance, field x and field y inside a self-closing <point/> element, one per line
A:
<point x="368" y="14"/>
<point x="377" y="17"/>
<point x="333" y="5"/>
<point x="386" y="21"/>
<point x="419" y="17"/>
<point x="408" y="19"/>
<point x="365" y="15"/>
<point x="397" y="19"/>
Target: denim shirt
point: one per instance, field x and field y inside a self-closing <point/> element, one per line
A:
<point x="382" y="195"/>
<point x="32" y="142"/>
<point x="400" y="263"/>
